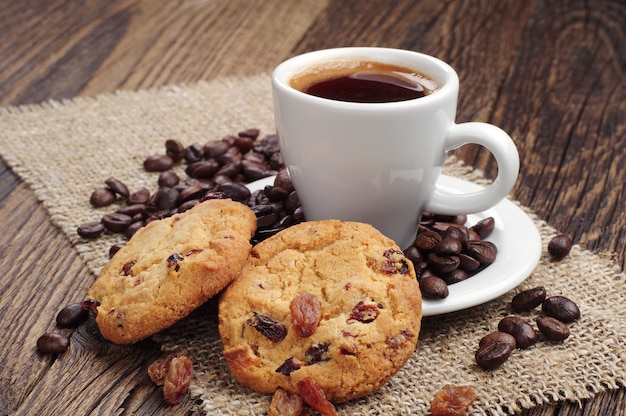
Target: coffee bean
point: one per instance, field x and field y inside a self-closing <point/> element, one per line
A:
<point x="202" y="168"/>
<point x="552" y="328"/>
<point x="497" y="336"/>
<point x="116" y="222"/>
<point x="252" y="133"/>
<point x="443" y="264"/>
<point x="235" y="191"/>
<point x="448" y="246"/>
<point x="494" y="350"/>
<point x="468" y="263"/>
<point x="142" y="196"/>
<point x="165" y="199"/>
<point x="413" y="254"/>
<point x="483" y="251"/>
<point x="91" y="230"/>
<point x="53" y="343"/>
<point x="455" y="276"/>
<point x="132" y="228"/>
<point x="158" y="163"/>
<point x="529" y="299"/>
<point x="215" y="148"/>
<point x="169" y="178"/>
<point x="102" y="197"/>
<point x="560" y="246"/>
<point x="174" y="149"/>
<point x="71" y="315"/>
<point x="118" y="187"/>
<point x="484" y="227"/>
<point x="193" y="153"/>
<point x="561" y="308"/>
<point x="283" y="180"/>
<point x="131" y="210"/>
<point x="522" y="331"/>
<point x="427" y="241"/>
<point x="115" y="248"/>
<point x="433" y="287"/>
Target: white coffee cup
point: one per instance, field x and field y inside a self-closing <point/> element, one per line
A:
<point x="379" y="163"/>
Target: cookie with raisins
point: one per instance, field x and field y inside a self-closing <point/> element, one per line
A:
<point x="335" y="301"/>
<point x="170" y="267"/>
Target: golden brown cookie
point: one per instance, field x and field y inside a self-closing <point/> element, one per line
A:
<point x="170" y="267"/>
<point x="335" y="301"/>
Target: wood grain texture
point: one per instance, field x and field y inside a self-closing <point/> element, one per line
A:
<point x="552" y="74"/>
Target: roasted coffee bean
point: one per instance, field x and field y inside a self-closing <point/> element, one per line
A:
<point x="91" y="230"/>
<point x="203" y="168"/>
<point x="115" y="248"/>
<point x="215" y="148"/>
<point x="174" y="149"/>
<point x="413" y="254"/>
<point x="552" y="328"/>
<point x="102" y="197"/>
<point x="169" y="178"/>
<point x="529" y="299"/>
<point x="71" y="315"/>
<point x="142" y="196"/>
<point x="561" y="308"/>
<point x="252" y="133"/>
<point x="232" y="155"/>
<point x="275" y="193"/>
<point x="158" y="163"/>
<point x="433" y="287"/>
<point x="231" y="170"/>
<point x="427" y="241"/>
<point x="484" y="227"/>
<point x="283" y="180"/>
<point x="494" y="350"/>
<point x="193" y="153"/>
<point x="235" y="191"/>
<point x="165" y="198"/>
<point x="244" y="143"/>
<point x="454" y="276"/>
<point x="497" y="336"/>
<point x="483" y="251"/>
<point x="253" y="171"/>
<point x="267" y="221"/>
<point x="191" y="192"/>
<point x="131" y="210"/>
<point x="132" y="228"/>
<point x="468" y="263"/>
<point x="448" y="246"/>
<point x="187" y="205"/>
<point x="443" y="264"/>
<point x="118" y="187"/>
<point x="522" y="331"/>
<point x="53" y="343"/>
<point x="116" y="223"/>
<point x="560" y="246"/>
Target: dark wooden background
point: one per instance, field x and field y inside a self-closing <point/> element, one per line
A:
<point x="552" y="74"/>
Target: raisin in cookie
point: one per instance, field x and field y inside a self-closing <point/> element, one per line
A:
<point x="170" y="267"/>
<point x="335" y="301"/>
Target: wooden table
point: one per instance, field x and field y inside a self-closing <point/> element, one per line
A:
<point x="552" y="74"/>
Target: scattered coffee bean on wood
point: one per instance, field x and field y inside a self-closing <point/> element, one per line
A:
<point x="53" y="343"/>
<point x="72" y="315"/>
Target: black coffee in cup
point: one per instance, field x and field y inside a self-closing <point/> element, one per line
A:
<point x="363" y="82"/>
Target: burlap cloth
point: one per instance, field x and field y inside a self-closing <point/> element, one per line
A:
<point x="64" y="150"/>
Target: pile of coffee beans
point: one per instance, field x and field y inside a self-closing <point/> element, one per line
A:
<point x="516" y="332"/>
<point x="219" y="168"/>
<point x="447" y="251"/>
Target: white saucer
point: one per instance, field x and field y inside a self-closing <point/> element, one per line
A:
<point x="519" y="250"/>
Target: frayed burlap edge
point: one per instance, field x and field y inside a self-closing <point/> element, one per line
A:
<point x="64" y="150"/>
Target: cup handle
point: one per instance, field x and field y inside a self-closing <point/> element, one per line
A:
<point x="503" y="149"/>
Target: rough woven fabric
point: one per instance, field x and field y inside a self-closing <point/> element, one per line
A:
<point x="64" y="150"/>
